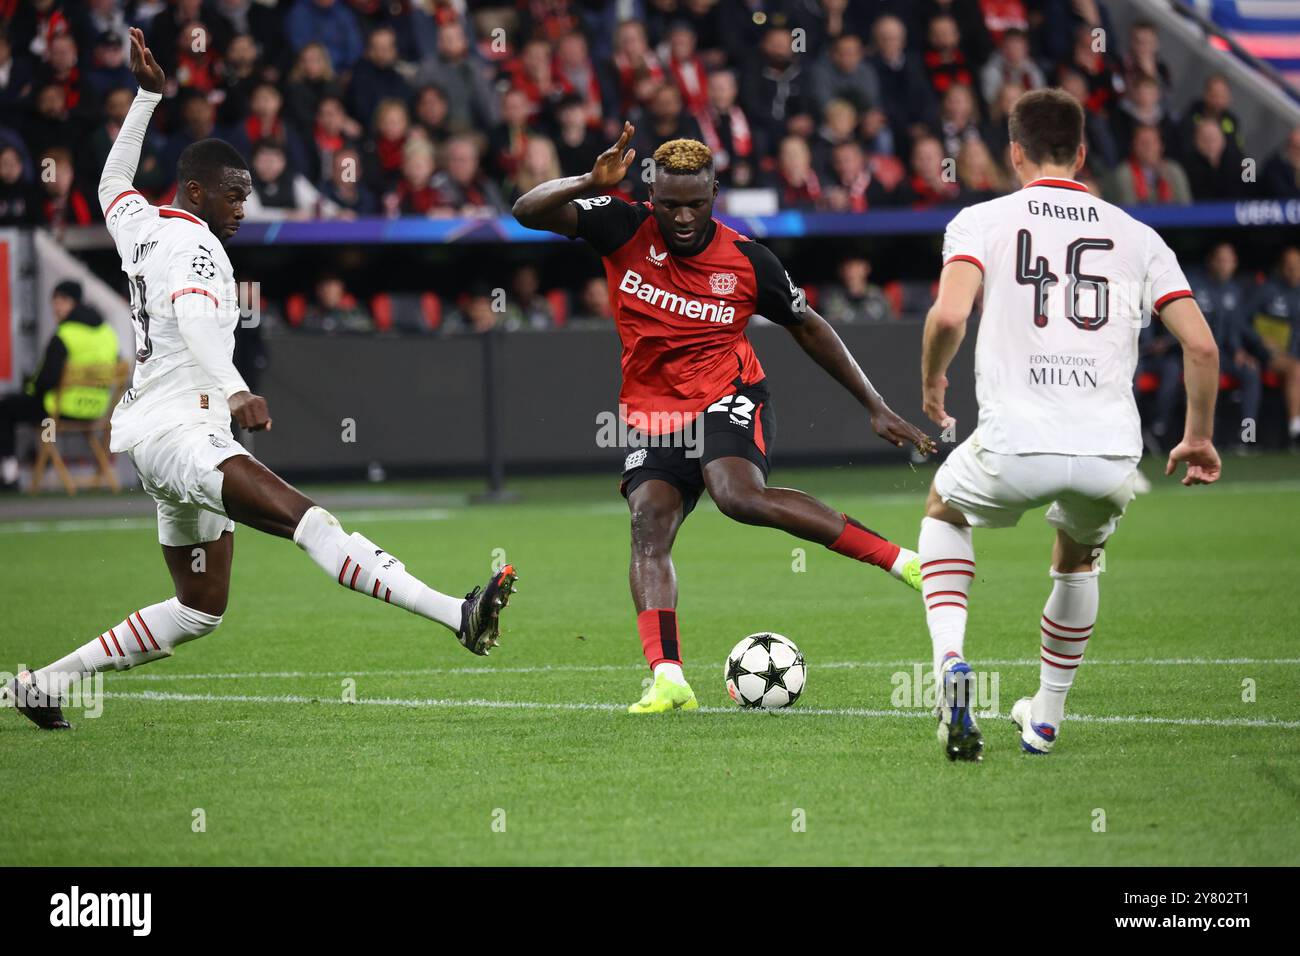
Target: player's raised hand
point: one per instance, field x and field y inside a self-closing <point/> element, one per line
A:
<point x="250" y="411"/>
<point x="612" y="165"/>
<point x="898" y="431"/>
<point x="147" y="72"/>
<point x="1203" y="464"/>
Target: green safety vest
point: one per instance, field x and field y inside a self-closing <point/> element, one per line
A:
<point x="86" y="345"/>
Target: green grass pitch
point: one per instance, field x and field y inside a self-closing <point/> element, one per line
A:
<point x="527" y="758"/>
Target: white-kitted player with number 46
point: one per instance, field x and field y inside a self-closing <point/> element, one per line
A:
<point x="1067" y="280"/>
<point x="174" y="423"/>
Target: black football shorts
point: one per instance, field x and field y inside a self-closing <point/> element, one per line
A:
<point x="739" y="424"/>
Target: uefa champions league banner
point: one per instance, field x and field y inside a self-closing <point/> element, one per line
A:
<point x="782" y="225"/>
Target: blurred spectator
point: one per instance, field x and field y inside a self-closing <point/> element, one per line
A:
<point x="1146" y="177"/>
<point x="839" y="125"/>
<point x="1215" y="105"/>
<point x="686" y="68"/>
<point x="184" y="36"/>
<point x="62" y="203"/>
<point x="108" y="69"/>
<point x="462" y="188"/>
<point x="978" y="175"/>
<point x="1282" y="171"/>
<point x="332" y="308"/>
<point x="577" y="76"/>
<point x="1143" y="105"/>
<point x="854" y="298"/>
<point x="975" y="43"/>
<point x="635" y="68"/>
<point x="311" y="80"/>
<point x="945" y="63"/>
<point x="19" y="199"/>
<point x="198" y="120"/>
<point x="526" y="307"/>
<point x="796" y="181"/>
<point x="531" y="76"/>
<point x="61" y="68"/>
<point x="1103" y="151"/>
<point x="904" y="87"/>
<point x="958" y="119"/>
<point x="576" y="144"/>
<point x="664" y="119"/>
<point x="1213" y="171"/>
<point x="376" y="77"/>
<point x="844" y="73"/>
<point x="332" y="131"/>
<point x="725" y="129"/>
<point x="279" y="192"/>
<point x="151" y="177"/>
<point x="1103" y="81"/>
<point x="854" y="185"/>
<point x="344" y="192"/>
<point x="1011" y="63"/>
<point x="384" y="150"/>
<point x="933" y="179"/>
<point x="996" y="134"/>
<point x="50" y="125"/>
<point x="773" y="85"/>
<point x="538" y="165"/>
<point x="433" y="114"/>
<point x="592" y="307"/>
<point x="413" y="194"/>
<point x="1277" y="304"/>
<point x="329" y="23"/>
<point x="16" y="80"/>
<point x="475" y="312"/>
<point x="506" y="141"/>
<point x="1142" y="61"/>
<point x="265" y="123"/>
<point x="462" y="77"/>
<point x="239" y="76"/>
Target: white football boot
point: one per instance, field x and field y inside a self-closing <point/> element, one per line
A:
<point x="1035" y="738"/>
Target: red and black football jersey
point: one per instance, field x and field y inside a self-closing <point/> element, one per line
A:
<point x="682" y="319"/>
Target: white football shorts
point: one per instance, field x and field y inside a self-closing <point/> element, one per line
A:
<point x="1087" y="494"/>
<point x="178" y="468"/>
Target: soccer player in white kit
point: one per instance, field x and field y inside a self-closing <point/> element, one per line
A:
<point x="1067" y="279"/>
<point x="174" y="424"/>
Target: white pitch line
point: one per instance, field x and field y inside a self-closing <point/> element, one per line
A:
<point x="606" y="668"/>
<point x="166" y="697"/>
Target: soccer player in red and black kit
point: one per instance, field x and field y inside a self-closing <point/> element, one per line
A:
<point x="683" y="287"/>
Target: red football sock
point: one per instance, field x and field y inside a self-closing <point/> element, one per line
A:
<point x="859" y="542"/>
<point x="658" y="630"/>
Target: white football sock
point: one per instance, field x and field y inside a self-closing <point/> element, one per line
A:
<point x="9" y="470"/>
<point x="146" y="635"/>
<point x="358" y="563"/>
<point x="1293" y="428"/>
<point x="672" y="671"/>
<point x="1068" y="619"/>
<point x="896" y="569"/>
<point x="947" y="570"/>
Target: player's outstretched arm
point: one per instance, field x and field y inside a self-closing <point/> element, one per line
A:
<point x="945" y="327"/>
<point x="547" y="206"/>
<point x="119" y="169"/>
<point x="1183" y="318"/>
<point x="816" y="337"/>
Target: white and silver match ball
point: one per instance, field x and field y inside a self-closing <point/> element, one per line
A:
<point x="765" y="670"/>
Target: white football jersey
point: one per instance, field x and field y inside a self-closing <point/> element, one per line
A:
<point x="1068" y="280"/>
<point x="167" y="253"/>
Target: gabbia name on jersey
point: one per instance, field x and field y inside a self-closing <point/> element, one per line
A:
<point x="1069" y="281"/>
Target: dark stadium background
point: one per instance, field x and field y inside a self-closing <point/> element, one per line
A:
<point x="401" y="352"/>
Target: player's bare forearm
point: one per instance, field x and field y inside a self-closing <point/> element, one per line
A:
<point x="547" y="205"/>
<point x="1183" y="318"/>
<point x="939" y="344"/>
<point x="945" y="327"/>
<point x="816" y="337"/>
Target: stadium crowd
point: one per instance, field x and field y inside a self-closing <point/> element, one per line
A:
<point x="446" y="108"/>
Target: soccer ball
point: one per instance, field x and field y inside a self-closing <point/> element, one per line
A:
<point x="765" y="670"/>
